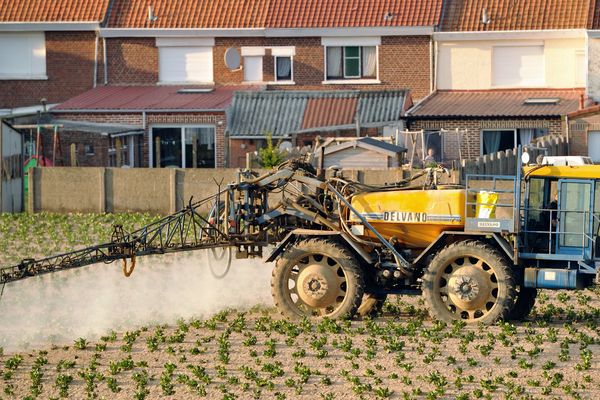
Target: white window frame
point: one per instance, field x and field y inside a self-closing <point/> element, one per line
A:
<point x="514" y="130"/>
<point x="182" y="129"/>
<point x="350" y="81"/>
<point x="519" y="44"/>
<point x="29" y="76"/>
<point x="283" y="81"/>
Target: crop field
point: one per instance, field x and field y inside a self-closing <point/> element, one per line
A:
<point x="185" y="349"/>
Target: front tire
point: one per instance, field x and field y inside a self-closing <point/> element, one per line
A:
<point x="317" y="278"/>
<point x="469" y="281"/>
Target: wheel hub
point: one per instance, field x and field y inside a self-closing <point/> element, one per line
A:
<point x="318" y="285"/>
<point x="469" y="287"/>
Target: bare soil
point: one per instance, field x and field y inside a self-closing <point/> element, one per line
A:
<point x="256" y="354"/>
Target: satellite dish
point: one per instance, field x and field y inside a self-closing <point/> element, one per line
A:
<point x="233" y="58"/>
<point x="286" y="146"/>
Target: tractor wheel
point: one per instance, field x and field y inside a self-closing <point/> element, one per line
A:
<point x="317" y="278"/>
<point x="371" y="305"/>
<point x="523" y="304"/>
<point x="469" y="281"/>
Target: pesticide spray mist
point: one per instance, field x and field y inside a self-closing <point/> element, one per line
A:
<point x="88" y="302"/>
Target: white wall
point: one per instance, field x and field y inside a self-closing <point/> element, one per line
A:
<point x="467" y="65"/>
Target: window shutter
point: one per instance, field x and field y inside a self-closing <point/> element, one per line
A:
<point x="518" y="66"/>
<point x="23" y="55"/>
<point x="185" y="64"/>
<point x="253" y="69"/>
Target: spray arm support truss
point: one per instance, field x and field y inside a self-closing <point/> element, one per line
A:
<point x="239" y="216"/>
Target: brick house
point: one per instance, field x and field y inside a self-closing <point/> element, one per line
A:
<point x="48" y="50"/>
<point x="506" y="72"/>
<point x="283" y="45"/>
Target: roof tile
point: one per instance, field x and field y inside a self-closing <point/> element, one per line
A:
<point x="53" y="11"/>
<point x="274" y="13"/>
<point x="189" y="14"/>
<point x="352" y="13"/>
<point x="466" y="15"/>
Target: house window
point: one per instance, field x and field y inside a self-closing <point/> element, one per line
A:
<point x="283" y="69"/>
<point x="23" y="56"/>
<point x="518" y="66"/>
<point x="351" y="62"/>
<point x="253" y="69"/>
<point x="185" y="64"/>
<point x="183" y="147"/>
<point x="493" y="141"/>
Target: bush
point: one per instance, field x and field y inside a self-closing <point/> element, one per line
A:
<point x="270" y="156"/>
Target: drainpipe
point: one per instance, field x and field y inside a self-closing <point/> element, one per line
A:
<point x="96" y="59"/>
<point x="434" y="65"/>
<point x="431" y="64"/>
<point x="105" y="61"/>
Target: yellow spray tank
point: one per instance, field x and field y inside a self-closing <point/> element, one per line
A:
<point x="414" y="217"/>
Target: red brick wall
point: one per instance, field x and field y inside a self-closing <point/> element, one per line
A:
<point x="403" y="63"/>
<point x="470" y="143"/>
<point x="101" y="157"/>
<point x="132" y="61"/>
<point x="69" y="67"/>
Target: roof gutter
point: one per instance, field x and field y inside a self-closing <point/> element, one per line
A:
<point x="180" y="32"/>
<point x="267" y="32"/>
<point x="594" y="33"/>
<point x="48" y="26"/>
<point x="511" y="35"/>
<point x="124" y="111"/>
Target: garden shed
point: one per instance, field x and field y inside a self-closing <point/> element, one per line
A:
<point x="361" y="153"/>
<point x="11" y="169"/>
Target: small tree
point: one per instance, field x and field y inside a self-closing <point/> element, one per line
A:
<point x="270" y="156"/>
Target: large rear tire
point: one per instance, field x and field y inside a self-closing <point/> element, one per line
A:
<point x="469" y="281"/>
<point x="524" y="303"/>
<point x="317" y="278"/>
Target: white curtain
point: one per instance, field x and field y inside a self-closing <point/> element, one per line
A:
<point x="334" y="62"/>
<point x="369" y="61"/>
<point x="284" y="68"/>
<point x="526" y="135"/>
<point x="491" y="141"/>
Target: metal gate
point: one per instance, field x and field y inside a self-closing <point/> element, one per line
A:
<point x="11" y="169"/>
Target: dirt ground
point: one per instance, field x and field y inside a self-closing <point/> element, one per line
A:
<point x="256" y="354"/>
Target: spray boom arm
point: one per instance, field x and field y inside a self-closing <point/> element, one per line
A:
<point x="240" y="216"/>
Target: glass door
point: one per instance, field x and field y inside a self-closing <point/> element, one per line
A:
<point x="574" y="217"/>
<point x="167" y="147"/>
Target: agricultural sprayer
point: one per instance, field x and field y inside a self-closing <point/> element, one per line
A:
<point x="476" y="252"/>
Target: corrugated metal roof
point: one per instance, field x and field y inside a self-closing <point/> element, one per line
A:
<point x="120" y="98"/>
<point x="282" y="113"/>
<point x="498" y="103"/>
<point x="329" y="111"/>
<point x="466" y="15"/>
<point x="52" y="11"/>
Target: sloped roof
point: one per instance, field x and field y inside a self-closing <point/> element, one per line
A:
<point x="285" y="112"/>
<point x="189" y="14"/>
<point x="498" y="103"/>
<point x="466" y="15"/>
<point x="274" y="13"/>
<point x="53" y="10"/>
<point x="367" y="143"/>
<point x="352" y="13"/>
<point x="140" y="98"/>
